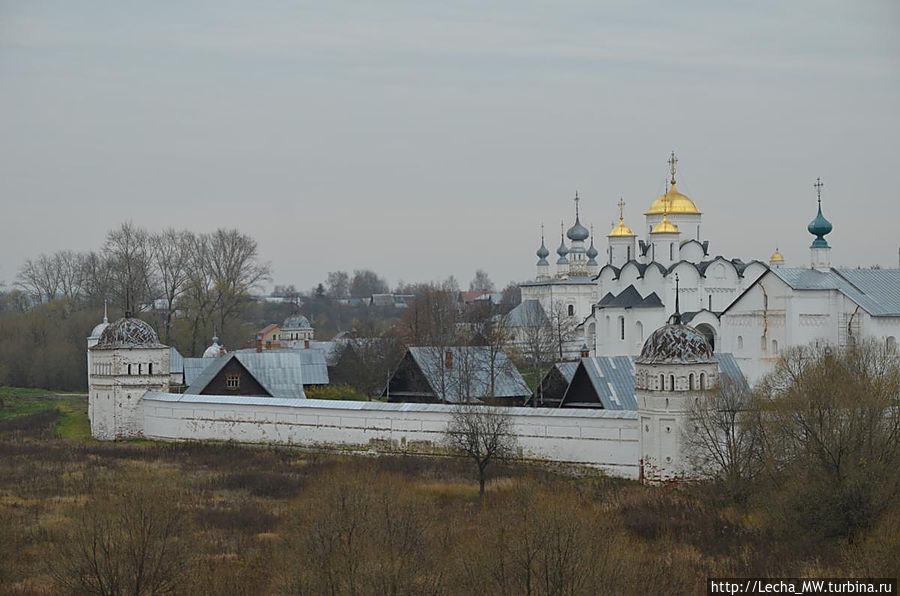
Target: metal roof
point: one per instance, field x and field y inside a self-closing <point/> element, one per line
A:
<point x="193" y="367"/>
<point x="630" y="298"/>
<point x="332" y="349"/>
<point x="612" y="378"/>
<point x="877" y="291"/>
<point x="313" y="362"/>
<point x="527" y="314"/>
<point x="176" y="361"/>
<point x="431" y="361"/>
<point x="376" y="405"/>
<point x="279" y="372"/>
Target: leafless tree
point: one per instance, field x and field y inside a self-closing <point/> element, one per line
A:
<point x="171" y="251"/>
<point x="722" y="438"/>
<point x="129" y="544"/>
<point x="40" y="278"/>
<point x="488" y="328"/>
<point x="235" y="269"/>
<point x="831" y="435"/>
<point x="128" y="252"/>
<point x="338" y="285"/>
<point x="481" y="282"/>
<point x="484" y="434"/>
<point x="97" y="277"/>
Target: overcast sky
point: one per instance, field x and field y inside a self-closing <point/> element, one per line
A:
<point x="422" y="139"/>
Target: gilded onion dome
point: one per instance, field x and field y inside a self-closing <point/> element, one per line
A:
<point x="621" y="229"/>
<point x="677" y="203"/>
<point x="664" y="227"/>
<point x="673" y="201"/>
<point x="776" y="258"/>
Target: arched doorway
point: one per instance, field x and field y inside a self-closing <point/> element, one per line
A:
<point x="709" y="333"/>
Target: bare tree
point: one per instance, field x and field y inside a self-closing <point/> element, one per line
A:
<point x="338" y="285"/>
<point x="481" y="282"/>
<point x="366" y="282"/>
<point x="234" y="270"/>
<point x="484" y="434"/>
<point x="488" y="328"/>
<point x="128" y="253"/>
<point x="40" y="278"/>
<point x="722" y="438"/>
<point x="129" y="544"/>
<point x="171" y="250"/>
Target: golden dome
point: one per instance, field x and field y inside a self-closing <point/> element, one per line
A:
<point x="620" y="229"/>
<point x="664" y="227"/>
<point x="776" y="257"/>
<point x="672" y="202"/>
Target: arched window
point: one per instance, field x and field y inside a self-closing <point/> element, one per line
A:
<point x="702" y="381"/>
<point x="140" y="368"/>
<point x="571" y="310"/>
<point x="639" y="331"/>
<point x="129" y="369"/>
<point x="150" y="369"/>
<point x="774" y="346"/>
<point x="592" y="335"/>
<point x="671" y="251"/>
<point x="891" y="343"/>
<point x="671" y="382"/>
<point x="662" y="382"/>
<point x="628" y="253"/>
<point x="740" y="345"/>
<point x="622" y="328"/>
<point x="691" y="381"/>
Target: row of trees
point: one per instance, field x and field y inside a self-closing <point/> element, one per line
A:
<point x="206" y="278"/>
<point x="818" y="439"/>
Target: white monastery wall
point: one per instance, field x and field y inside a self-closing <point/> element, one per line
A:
<point x="606" y="439"/>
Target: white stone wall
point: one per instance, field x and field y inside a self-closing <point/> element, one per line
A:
<point x="606" y="439"/>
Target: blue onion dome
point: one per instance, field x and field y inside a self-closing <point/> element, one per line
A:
<point x="542" y="253"/>
<point x="675" y="343"/>
<point x="128" y="332"/>
<point x="563" y="250"/>
<point x="591" y="251"/>
<point x="819" y="227"/>
<point x="577" y="232"/>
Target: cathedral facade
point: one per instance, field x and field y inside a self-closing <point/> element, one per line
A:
<point x="751" y="308"/>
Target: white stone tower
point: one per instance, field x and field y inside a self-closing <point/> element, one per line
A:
<point x="675" y="365"/>
<point x="127" y="361"/>
<point x="621" y="240"/>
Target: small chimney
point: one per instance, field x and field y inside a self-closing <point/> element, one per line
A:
<point x="306" y="344"/>
<point x="258" y="343"/>
<point x="585" y="352"/>
<point x="448" y="359"/>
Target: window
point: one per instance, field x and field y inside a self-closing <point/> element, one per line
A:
<point x="702" y="381"/>
<point x="671" y="382"/>
<point x="571" y="310"/>
<point x="671" y="251"/>
<point x="129" y="369"/>
<point x="662" y="382"/>
<point x="628" y="253"/>
<point x="740" y="343"/>
<point x="639" y="329"/>
<point x="774" y="347"/>
<point x="622" y="328"/>
<point x="762" y="343"/>
<point x="233" y="381"/>
<point x="150" y="369"/>
<point x="140" y="368"/>
<point x="691" y="381"/>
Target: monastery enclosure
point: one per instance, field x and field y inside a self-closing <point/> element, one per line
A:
<point x="607" y="439"/>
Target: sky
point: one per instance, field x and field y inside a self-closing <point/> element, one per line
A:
<point x="424" y="139"/>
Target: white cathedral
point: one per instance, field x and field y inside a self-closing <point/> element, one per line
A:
<point x="749" y="308"/>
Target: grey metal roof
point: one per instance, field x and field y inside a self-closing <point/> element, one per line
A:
<point x="507" y="383"/>
<point x="332" y="349"/>
<point x="567" y="369"/>
<point x="176" y="361"/>
<point x="877" y="291"/>
<point x="280" y="372"/>
<point x="527" y="314"/>
<point x="375" y="405"/>
<point x="630" y="298"/>
<point x="313" y="362"/>
<point x="612" y="378"/>
<point x="193" y="367"/>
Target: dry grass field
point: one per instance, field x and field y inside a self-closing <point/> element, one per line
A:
<point x="79" y="516"/>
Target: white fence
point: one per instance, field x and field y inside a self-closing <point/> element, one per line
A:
<point x="603" y="438"/>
